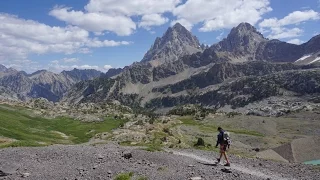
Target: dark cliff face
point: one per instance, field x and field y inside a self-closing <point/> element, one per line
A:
<point x="82" y="75"/>
<point x="247" y="90"/>
<point x="175" y="43"/>
<point x="113" y="72"/>
<point x="242" y="40"/>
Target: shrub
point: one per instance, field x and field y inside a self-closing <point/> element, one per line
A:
<point x="124" y="176"/>
<point x="200" y="142"/>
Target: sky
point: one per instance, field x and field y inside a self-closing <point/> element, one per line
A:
<point x="101" y="34"/>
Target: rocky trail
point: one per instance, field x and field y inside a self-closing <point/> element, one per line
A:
<point x="237" y="167"/>
<point x="109" y="160"/>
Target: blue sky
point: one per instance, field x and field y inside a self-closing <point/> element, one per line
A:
<point x="64" y="34"/>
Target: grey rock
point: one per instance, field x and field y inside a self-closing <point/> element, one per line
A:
<point x="195" y="178"/>
<point x="25" y="175"/>
<point x="127" y="155"/>
<point x="175" y="43"/>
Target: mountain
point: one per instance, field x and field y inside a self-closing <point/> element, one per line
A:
<point x="175" y="43"/>
<point x="240" y="70"/>
<point x="82" y="75"/>
<point x="20" y="85"/>
<point x="113" y="72"/>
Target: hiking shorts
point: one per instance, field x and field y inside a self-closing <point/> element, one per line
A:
<point x="223" y="148"/>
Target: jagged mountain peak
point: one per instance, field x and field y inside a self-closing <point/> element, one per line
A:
<point x="242" y="42"/>
<point x="175" y="43"/>
<point x="245" y="30"/>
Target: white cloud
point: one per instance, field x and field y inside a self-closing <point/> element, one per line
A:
<point x="95" y="22"/>
<point x="131" y="7"/>
<point x="277" y="27"/>
<point x="56" y="67"/>
<point x="70" y="60"/>
<point x="19" y="38"/>
<point x="98" y="43"/>
<point x="220" y="36"/>
<point x="107" y="67"/>
<point x="220" y="14"/>
<point x="295" y="17"/>
<point x="152" y="20"/>
<point x="116" y="15"/>
<point x="281" y="33"/>
<point x="295" y="41"/>
<point x="55" y="62"/>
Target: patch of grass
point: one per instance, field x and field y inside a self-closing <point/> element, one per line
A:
<point x="124" y="176"/>
<point x="23" y="143"/>
<point x="211" y="128"/>
<point x="153" y="147"/>
<point x="30" y="130"/>
<point x="188" y="120"/>
<point x="155" y="144"/>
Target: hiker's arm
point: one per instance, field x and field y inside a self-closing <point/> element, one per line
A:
<point x="218" y="140"/>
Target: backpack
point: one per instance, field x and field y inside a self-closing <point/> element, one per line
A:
<point x="227" y="138"/>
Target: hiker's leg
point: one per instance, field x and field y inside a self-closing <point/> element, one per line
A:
<point x="226" y="157"/>
<point x="221" y="154"/>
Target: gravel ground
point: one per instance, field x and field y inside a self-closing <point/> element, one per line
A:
<point x="106" y="161"/>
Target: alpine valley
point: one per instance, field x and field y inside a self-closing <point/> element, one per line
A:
<point x="96" y="125"/>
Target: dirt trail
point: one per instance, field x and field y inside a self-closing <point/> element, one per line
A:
<point x="234" y="166"/>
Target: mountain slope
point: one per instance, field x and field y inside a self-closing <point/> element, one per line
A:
<point x="210" y="77"/>
<point x="176" y="42"/>
<point x="41" y="83"/>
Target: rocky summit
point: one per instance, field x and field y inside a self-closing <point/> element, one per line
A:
<point x="242" y="69"/>
<point x="18" y="85"/>
<point x="174" y="44"/>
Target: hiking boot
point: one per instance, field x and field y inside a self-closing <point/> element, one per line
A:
<point x="218" y="160"/>
<point x="227" y="165"/>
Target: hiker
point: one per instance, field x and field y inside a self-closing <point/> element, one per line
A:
<point x="223" y="142"/>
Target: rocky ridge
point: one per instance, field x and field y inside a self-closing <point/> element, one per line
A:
<point x="229" y="73"/>
<point x="22" y="86"/>
<point x="175" y="43"/>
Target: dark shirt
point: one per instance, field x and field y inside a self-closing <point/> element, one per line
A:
<point x="220" y="138"/>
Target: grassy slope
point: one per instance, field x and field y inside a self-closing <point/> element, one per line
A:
<point x="36" y="131"/>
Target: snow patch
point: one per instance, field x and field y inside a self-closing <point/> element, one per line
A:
<point x="317" y="59"/>
<point x="304" y="57"/>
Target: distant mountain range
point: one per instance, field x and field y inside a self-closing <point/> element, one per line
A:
<point x="22" y="86"/>
<point x="241" y="69"/>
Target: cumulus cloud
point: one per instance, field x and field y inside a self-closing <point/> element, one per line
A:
<point x="277" y="28"/>
<point x="107" y="67"/>
<point x="295" y="41"/>
<point x="131" y="7"/>
<point x="116" y="15"/>
<point x="20" y="38"/>
<point x="282" y="33"/>
<point x="295" y="17"/>
<point x="152" y="20"/>
<point x="95" y="22"/>
<point x="220" y="14"/>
